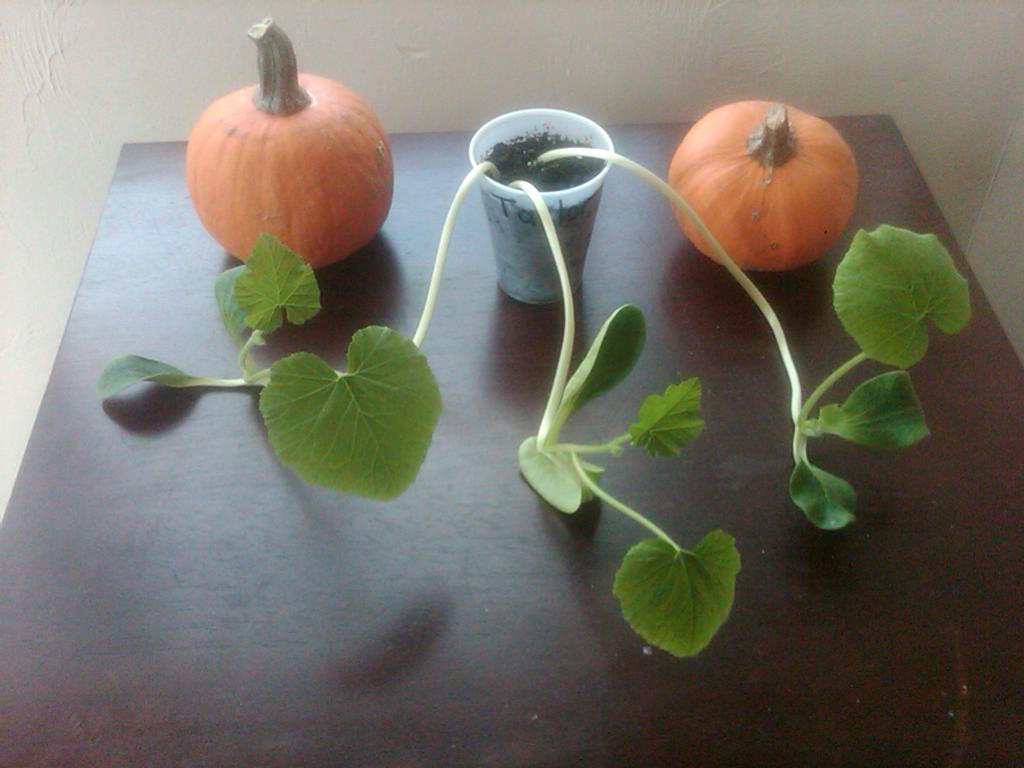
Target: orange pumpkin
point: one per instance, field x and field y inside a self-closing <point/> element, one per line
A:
<point x="774" y="185"/>
<point x="301" y="157"/>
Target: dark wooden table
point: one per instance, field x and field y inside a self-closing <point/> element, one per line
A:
<point x="170" y="595"/>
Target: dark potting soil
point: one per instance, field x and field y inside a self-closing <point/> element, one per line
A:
<point x="517" y="159"/>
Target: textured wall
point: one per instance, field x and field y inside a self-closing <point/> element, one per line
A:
<point x="79" y="78"/>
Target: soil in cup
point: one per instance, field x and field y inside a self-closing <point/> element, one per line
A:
<point x="516" y="159"/>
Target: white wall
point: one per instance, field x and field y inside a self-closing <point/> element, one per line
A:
<point x="996" y="247"/>
<point x="79" y="77"/>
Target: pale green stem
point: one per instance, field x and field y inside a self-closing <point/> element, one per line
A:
<point x="799" y="438"/>
<point x="625" y="509"/>
<point x="558" y="420"/>
<point x="799" y="446"/>
<point x="828" y="381"/>
<point x="569" y="326"/>
<point x="260" y="378"/>
<point x="203" y="381"/>
<point x="612" y="446"/>
<point x="724" y="258"/>
<point x="244" y="360"/>
<point x="442" y="248"/>
<point x="257" y="379"/>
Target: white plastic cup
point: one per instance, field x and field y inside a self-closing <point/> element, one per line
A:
<point x="526" y="267"/>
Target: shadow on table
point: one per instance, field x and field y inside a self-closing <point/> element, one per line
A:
<point x="696" y="288"/>
<point x="523" y="348"/>
<point x="365" y="289"/>
<point x="152" y="409"/>
<point x="399" y="648"/>
<point x="359" y="291"/>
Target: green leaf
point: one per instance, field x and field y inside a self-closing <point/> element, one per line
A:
<point x="826" y="500"/>
<point x="230" y="313"/>
<point x="276" y="283"/>
<point x="888" y="284"/>
<point x="124" y="371"/>
<point x="677" y="600"/>
<point x="882" y="412"/>
<point x="363" y="431"/>
<point x="611" y="356"/>
<point x="665" y="423"/>
<point x="552" y="476"/>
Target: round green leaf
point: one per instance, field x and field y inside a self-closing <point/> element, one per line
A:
<point x="676" y="599"/>
<point x="363" y="431"/>
<point x="826" y="500"/>
<point x="891" y="281"/>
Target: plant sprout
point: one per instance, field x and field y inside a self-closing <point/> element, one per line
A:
<point x="365" y="429"/>
<point x="674" y="597"/>
<point x="889" y="282"/>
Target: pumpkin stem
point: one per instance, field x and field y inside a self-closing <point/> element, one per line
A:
<point x="278" y="92"/>
<point x="772" y="141"/>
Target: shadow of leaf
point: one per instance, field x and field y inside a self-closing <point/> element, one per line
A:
<point x="826" y="562"/>
<point x="151" y="409"/>
<point x="701" y="294"/>
<point x="400" y="648"/>
<point x="523" y="348"/>
<point x="581" y="525"/>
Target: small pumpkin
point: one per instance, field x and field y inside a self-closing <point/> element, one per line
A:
<point x="774" y="185"/>
<point x="299" y="156"/>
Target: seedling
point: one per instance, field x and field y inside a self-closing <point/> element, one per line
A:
<point x="673" y="597"/>
<point x="889" y="282"/>
<point x="362" y="430"/>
